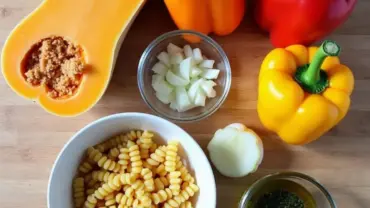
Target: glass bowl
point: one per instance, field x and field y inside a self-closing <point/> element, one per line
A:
<point x="314" y="194"/>
<point x="209" y="48"/>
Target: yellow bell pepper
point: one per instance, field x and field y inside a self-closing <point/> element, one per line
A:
<point x="303" y="92"/>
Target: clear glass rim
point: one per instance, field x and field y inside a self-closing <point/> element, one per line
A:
<point x="153" y="44"/>
<point x="243" y="202"/>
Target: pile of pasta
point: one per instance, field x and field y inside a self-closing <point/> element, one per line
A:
<point x="131" y="170"/>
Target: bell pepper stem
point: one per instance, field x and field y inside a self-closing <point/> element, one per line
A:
<point x="312" y="75"/>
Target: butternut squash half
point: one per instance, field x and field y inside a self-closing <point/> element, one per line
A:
<point x="97" y="26"/>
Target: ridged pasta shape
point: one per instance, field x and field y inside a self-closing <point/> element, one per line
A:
<point x="147" y="165"/>
<point x="171" y="155"/>
<point x="92" y="183"/>
<point x="90" y="191"/>
<point x="124" y="158"/>
<point x="185" y="175"/>
<point x="102" y="175"/>
<point x="138" y="185"/>
<point x="171" y="203"/>
<point x="109" y="187"/>
<point x="113" y="142"/>
<point x="113" y="153"/>
<point x="145" y="201"/>
<point x="161" y="170"/>
<point x="127" y="178"/>
<point x="145" y="142"/>
<point x="157" y="157"/>
<point x="175" y="182"/>
<point x="186" y="204"/>
<point x="162" y="196"/>
<point x="103" y="160"/>
<point x="124" y="200"/>
<point x="135" y="158"/>
<point x="110" y="200"/>
<point x="130" y="143"/>
<point x="186" y="193"/>
<point x="133" y="135"/>
<point x="147" y="175"/>
<point x="130" y="191"/>
<point x="78" y="191"/>
<point x="85" y="167"/>
<point x="90" y="201"/>
<point x="161" y="183"/>
<point x="153" y="147"/>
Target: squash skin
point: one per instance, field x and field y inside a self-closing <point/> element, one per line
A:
<point x="98" y="27"/>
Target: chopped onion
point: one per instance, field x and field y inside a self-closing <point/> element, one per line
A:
<point x="208" y="89"/>
<point x="188" y="51"/>
<point x="194" y="89"/>
<point x="185" y="67"/>
<point x="176" y="58"/>
<point x="173" y="49"/>
<point x="207" y="64"/>
<point x="160" y="68"/>
<point x="200" y="99"/>
<point x="195" y="71"/>
<point x="165" y="98"/>
<point x="210" y="73"/>
<point x="161" y="85"/>
<point x="173" y="105"/>
<point x="182" y="99"/>
<point x="183" y="78"/>
<point x="164" y="58"/>
<point x="176" y="80"/>
<point x="197" y="56"/>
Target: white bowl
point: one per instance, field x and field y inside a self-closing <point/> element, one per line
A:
<point x="60" y="183"/>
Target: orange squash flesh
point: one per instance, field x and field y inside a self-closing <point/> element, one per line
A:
<point x="97" y="26"/>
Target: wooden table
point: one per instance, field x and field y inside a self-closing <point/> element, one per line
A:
<point x="30" y="138"/>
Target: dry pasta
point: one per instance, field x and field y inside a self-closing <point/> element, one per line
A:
<point x="145" y="142"/>
<point x="124" y="158"/>
<point x="161" y="170"/>
<point x="102" y="160"/>
<point x="135" y="158"/>
<point x="175" y="182"/>
<point x="148" y="179"/>
<point x="110" y="200"/>
<point x="113" y="142"/>
<point x="157" y="157"/>
<point x="90" y="201"/>
<point x="113" y="153"/>
<point x="171" y="155"/>
<point x="132" y="171"/>
<point x="85" y="167"/>
<point x="186" y="204"/>
<point x="79" y="191"/>
<point x="102" y="175"/>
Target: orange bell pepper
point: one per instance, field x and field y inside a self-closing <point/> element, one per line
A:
<point x="219" y="16"/>
<point x="303" y="92"/>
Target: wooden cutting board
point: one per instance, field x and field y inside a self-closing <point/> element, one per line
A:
<point x="30" y="138"/>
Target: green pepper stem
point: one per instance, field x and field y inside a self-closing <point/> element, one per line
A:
<point x="312" y="75"/>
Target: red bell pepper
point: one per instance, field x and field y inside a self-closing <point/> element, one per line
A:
<point x="301" y="21"/>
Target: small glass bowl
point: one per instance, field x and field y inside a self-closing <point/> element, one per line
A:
<point x="317" y="192"/>
<point x="209" y="48"/>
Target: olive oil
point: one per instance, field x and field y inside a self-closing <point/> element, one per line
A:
<point x="282" y="193"/>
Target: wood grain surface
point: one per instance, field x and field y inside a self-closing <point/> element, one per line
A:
<point x="30" y="138"/>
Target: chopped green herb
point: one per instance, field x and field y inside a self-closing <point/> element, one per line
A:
<point x="279" y="199"/>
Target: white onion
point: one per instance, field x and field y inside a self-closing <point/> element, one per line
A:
<point x="183" y="78"/>
<point x="236" y="151"/>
